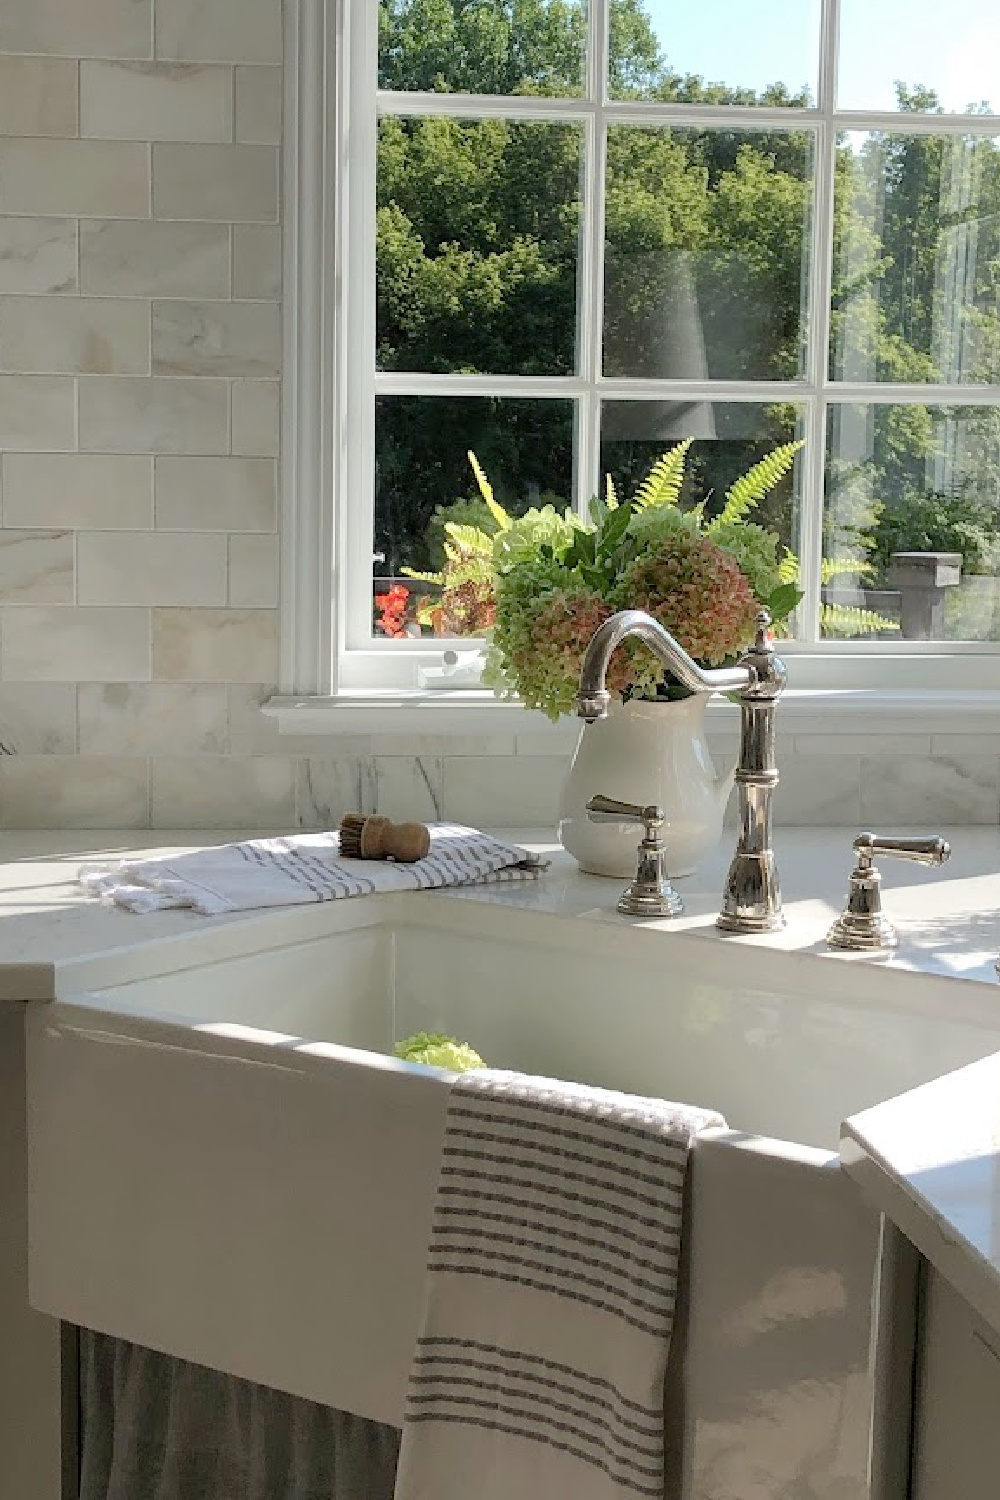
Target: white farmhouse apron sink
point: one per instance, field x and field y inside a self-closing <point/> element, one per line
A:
<point x="226" y="1164"/>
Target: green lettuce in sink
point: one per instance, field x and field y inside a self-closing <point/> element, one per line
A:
<point x="438" y="1051"/>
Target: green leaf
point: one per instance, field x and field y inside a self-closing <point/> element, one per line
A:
<point x="613" y="530"/>
<point x="597" y="509"/>
<point x="610" y="493"/>
<point x="469" y="539"/>
<point x="782" y="601"/>
<point x="662" y="485"/>
<point x="486" y="490"/>
<point x="749" y="490"/>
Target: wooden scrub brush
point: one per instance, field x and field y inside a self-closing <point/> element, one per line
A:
<point x="375" y="837"/>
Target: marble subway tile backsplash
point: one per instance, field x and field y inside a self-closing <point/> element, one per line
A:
<point x="141" y="101"/>
<point x="107" y="178"/>
<point x="147" y="258"/>
<point x="37" y="256"/>
<point x="140" y="369"/>
<point x="99" y="490"/>
<point x="38" y="96"/>
<point x="84" y="28"/>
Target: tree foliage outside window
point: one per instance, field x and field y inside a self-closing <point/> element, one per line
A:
<point x="705" y="242"/>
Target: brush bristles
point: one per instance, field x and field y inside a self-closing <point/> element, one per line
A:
<point x="352" y="827"/>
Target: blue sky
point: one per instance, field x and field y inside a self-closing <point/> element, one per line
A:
<point x="954" y="48"/>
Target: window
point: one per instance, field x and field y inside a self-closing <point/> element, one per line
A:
<point x="565" y="235"/>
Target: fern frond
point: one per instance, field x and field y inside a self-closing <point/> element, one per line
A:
<point x="496" y="510"/>
<point x="662" y="485"/>
<point x="788" y="568"/>
<point x="422" y="577"/>
<point x="841" y="566"/>
<point x="466" y="540"/>
<point x="844" y="621"/>
<point x="610" y="493"/>
<point x="746" y="493"/>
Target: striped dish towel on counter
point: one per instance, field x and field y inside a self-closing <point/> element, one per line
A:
<point x="551" y="1280"/>
<point x="294" y="871"/>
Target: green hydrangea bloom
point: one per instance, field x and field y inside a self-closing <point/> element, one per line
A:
<point x="438" y="1051"/>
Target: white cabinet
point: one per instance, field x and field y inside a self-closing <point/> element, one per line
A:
<point x="956" y="1434"/>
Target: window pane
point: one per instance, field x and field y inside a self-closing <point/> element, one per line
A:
<point x="922" y="481"/>
<point x="705" y="253"/>
<point x="915" y="55"/>
<point x="476" y="256"/>
<point x="490" y="47"/>
<point x="423" y="479"/>
<point x="719" y="52"/>
<point x="729" y="437"/>
<point x="917" y="242"/>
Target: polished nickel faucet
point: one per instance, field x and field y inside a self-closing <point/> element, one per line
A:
<point x="752" y="897"/>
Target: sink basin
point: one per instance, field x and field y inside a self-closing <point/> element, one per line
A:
<point x="227" y="1164"/>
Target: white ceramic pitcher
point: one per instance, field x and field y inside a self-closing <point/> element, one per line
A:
<point x="645" y="752"/>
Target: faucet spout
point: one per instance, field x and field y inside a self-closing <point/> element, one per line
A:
<point x="593" y="698"/>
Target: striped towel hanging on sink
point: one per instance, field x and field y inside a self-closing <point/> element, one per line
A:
<point x="551" y="1282"/>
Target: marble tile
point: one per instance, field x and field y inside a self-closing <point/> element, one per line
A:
<point x="410" y="788"/>
<point x="37" y="413"/>
<point x="253" y="572"/>
<point x="78" y="490"/>
<point x="438" y="745"/>
<point x="945" y="745"/>
<point x="144" y="258"/>
<point x="560" y="740"/>
<point x="817" y="789"/>
<point x="258" y="105"/>
<point x="150" y="567"/>
<point x="214" y="645"/>
<point x="222" y="791"/>
<point x="256" y="417"/>
<point x="234" y="184"/>
<point x="253" y="733"/>
<point x="38" y="96"/>
<point x="209" y="494"/>
<point x="151" y="718"/>
<point x="62" y="791"/>
<point x="63" y="644"/>
<point x="886" y="745"/>
<point x="37" y="256"/>
<point x="36" y="567"/>
<point x="109" y="179"/>
<point x="78" y="28"/>
<point x="326" y="788"/>
<point x="122" y="415"/>
<point x="257" y="261"/>
<point x="219" y="30"/>
<point x="37" y="718"/>
<point x="953" y="789"/>
<point x="74" y="336"/>
<point x="144" y="101"/>
<point x="490" y="792"/>
<point x="217" y="338"/>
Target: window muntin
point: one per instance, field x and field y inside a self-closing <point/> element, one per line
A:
<point x="815" y="384"/>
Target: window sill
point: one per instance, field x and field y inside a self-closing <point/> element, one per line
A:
<point x="825" y="711"/>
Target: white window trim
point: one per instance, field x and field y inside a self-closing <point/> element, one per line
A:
<point x="323" y="685"/>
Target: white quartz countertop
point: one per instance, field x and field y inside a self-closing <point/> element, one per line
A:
<point x="949" y="919"/>
<point x="930" y="1160"/>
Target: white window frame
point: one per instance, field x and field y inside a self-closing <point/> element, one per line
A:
<point x="330" y="383"/>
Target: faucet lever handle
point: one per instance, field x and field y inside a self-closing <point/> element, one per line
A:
<point x="610" y="810"/>
<point x="922" y="851"/>
<point x="863" y="926"/>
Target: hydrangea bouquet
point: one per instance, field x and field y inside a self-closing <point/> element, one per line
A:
<point x="546" y="580"/>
